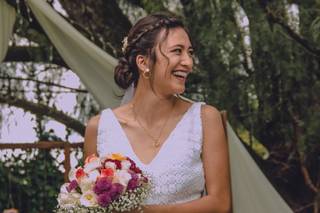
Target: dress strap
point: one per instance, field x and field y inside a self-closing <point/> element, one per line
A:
<point x="196" y="131"/>
<point x="197" y="112"/>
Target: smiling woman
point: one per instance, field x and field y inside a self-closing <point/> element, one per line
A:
<point x="181" y="144"/>
<point x="176" y="55"/>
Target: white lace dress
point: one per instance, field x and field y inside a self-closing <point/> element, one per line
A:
<point x="177" y="170"/>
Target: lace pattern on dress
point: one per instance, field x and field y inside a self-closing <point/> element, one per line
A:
<point x="177" y="172"/>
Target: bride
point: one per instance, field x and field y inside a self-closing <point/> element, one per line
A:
<point x="180" y="144"/>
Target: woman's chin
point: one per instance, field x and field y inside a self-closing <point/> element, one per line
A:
<point x="179" y="89"/>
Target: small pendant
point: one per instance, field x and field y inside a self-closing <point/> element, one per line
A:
<point x="156" y="144"/>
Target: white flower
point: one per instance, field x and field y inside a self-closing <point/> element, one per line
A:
<point x="92" y="165"/>
<point x="122" y="177"/>
<point x="93" y="175"/>
<point x="72" y="174"/>
<point x="88" y="199"/>
<point x="69" y="199"/>
<point x="111" y="165"/>
<point x="125" y="164"/>
<point x="86" y="184"/>
<point x="63" y="188"/>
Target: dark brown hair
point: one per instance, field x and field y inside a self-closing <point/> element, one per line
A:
<point x="141" y="40"/>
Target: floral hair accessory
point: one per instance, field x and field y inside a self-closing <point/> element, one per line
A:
<point x="124" y="44"/>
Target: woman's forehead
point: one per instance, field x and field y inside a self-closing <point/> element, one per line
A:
<point x="176" y="36"/>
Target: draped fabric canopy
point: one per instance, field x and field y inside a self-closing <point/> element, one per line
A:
<point x="7" y="19"/>
<point x="89" y="62"/>
<point x="251" y="191"/>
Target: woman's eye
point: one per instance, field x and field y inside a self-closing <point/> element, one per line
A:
<point x="178" y="51"/>
<point x="191" y="52"/>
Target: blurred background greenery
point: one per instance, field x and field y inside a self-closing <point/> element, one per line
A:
<point x="257" y="59"/>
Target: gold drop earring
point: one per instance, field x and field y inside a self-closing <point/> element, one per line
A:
<point x="146" y="73"/>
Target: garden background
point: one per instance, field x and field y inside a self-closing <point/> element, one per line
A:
<point x="258" y="59"/>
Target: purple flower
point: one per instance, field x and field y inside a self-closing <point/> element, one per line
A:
<point x="134" y="167"/>
<point x="133" y="183"/>
<point x="102" y="185"/>
<point x="134" y="175"/>
<point x="144" y="179"/>
<point x="73" y="184"/>
<point x="116" y="191"/>
<point x="104" y="199"/>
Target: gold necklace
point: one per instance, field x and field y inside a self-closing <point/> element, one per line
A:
<point x="156" y="140"/>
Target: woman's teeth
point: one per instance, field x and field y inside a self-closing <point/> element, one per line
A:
<point x="180" y="74"/>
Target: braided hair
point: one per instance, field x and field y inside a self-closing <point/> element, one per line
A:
<point x="141" y="40"/>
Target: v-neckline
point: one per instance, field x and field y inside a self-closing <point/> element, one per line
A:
<point x="164" y="144"/>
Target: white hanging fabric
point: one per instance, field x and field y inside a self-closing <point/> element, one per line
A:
<point x="251" y="190"/>
<point x="7" y="19"/>
<point x="93" y="66"/>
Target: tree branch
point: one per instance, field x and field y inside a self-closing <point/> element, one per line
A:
<point x="43" y="82"/>
<point x="305" y="43"/>
<point x="44" y="110"/>
<point x="27" y="54"/>
<point x="103" y="21"/>
<point x="304" y="170"/>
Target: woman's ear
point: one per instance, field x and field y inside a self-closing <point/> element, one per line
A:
<point x="142" y="62"/>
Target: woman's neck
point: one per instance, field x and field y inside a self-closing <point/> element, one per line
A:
<point x="152" y="108"/>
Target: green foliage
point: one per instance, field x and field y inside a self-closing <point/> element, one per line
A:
<point x="32" y="180"/>
<point x="275" y="100"/>
<point x="315" y="29"/>
<point x="153" y="6"/>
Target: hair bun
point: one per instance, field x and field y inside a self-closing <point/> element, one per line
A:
<point x="122" y="74"/>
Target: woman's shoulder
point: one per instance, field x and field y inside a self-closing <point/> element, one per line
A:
<point x="211" y="116"/>
<point x="94" y="121"/>
<point x="90" y="137"/>
<point x="92" y="125"/>
<point x="208" y="112"/>
<point x="207" y="109"/>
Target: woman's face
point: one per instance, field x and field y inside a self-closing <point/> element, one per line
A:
<point x="174" y="62"/>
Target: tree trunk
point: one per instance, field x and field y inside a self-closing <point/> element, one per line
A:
<point x="43" y="110"/>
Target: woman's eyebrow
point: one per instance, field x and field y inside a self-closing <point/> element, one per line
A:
<point x="181" y="45"/>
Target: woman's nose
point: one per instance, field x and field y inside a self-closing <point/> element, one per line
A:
<point x="187" y="60"/>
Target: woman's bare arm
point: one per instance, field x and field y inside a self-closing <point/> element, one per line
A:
<point x="90" y="137"/>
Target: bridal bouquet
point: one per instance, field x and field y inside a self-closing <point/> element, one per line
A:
<point x="108" y="184"/>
